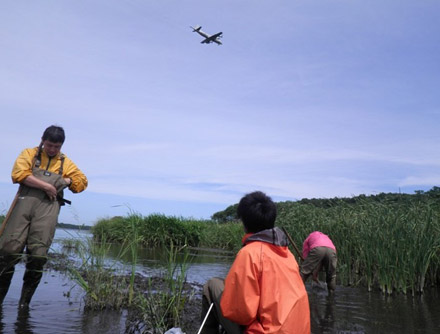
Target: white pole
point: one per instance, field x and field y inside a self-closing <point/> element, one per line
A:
<point x="206" y="317"/>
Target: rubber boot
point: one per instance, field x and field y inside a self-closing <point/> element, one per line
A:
<point x="26" y="296"/>
<point x="7" y="267"/>
<point x="31" y="279"/>
<point x="5" y="282"/>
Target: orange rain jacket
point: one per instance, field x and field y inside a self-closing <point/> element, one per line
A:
<point x="264" y="290"/>
<point x="23" y="168"/>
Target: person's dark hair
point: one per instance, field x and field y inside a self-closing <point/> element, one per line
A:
<point x="257" y="211"/>
<point x="55" y="134"/>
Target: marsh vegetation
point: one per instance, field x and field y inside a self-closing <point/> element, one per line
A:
<point x="389" y="242"/>
<point x="386" y="242"/>
<point x="154" y="304"/>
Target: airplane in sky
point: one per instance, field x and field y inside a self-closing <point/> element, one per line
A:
<point x="208" y="38"/>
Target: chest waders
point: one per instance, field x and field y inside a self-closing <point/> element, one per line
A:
<point x="32" y="226"/>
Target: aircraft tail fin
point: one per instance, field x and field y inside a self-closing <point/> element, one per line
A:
<point x="196" y="28"/>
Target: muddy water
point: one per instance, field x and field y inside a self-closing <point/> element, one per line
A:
<point x="354" y="310"/>
<point x="57" y="304"/>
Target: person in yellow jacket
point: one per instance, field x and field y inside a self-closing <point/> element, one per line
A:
<point x="263" y="291"/>
<point x="43" y="173"/>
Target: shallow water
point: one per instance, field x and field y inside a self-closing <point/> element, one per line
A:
<point x="51" y="311"/>
<point x="57" y="304"/>
<point x="356" y="311"/>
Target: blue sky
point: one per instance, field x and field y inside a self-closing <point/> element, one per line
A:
<point x="303" y="99"/>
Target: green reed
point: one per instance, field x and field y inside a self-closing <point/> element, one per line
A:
<point x="394" y="246"/>
<point x="387" y="244"/>
<point x="159" y="230"/>
<point x="103" y="282"/>
<point x="162" y="308"/>
<point x="155" y="229"/>
<point x="107" y="284"/>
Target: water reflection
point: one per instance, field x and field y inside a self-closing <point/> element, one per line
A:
<point x="322" y="314"/>
<point x="23" y="324"/>
<point x="203" y="263"/>
<point x="356" y="311"/>
<point x="106" y="321"/>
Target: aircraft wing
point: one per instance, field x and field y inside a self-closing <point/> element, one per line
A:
<point x="219" y="34"/>
<point x="213" y="38"/>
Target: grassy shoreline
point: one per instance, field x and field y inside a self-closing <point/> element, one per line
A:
<point x="153" y="304"/>
<point x="389" y="242"/>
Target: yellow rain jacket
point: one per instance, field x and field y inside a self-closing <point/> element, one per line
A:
<point x="23" y="168"/>
<point x="264" y="290"/>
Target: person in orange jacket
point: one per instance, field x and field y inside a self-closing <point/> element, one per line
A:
<point x="43" y="173"/>
<point x="263" y="291"/>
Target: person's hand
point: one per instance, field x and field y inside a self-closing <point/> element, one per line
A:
<point x="68" y="181"/>
<point x="50" y="191"/>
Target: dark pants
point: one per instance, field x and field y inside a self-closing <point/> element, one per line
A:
<point x="212" y="293"/>
<point x="321" y="257"/>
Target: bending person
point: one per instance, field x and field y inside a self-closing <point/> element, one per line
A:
<point x="263" y="291"/>
<point x="319" y="252"/>
<point x="43" y="173"/>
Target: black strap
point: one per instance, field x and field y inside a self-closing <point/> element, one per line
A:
<point x="63" y="201"/>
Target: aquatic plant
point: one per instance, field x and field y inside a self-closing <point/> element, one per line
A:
<point x="107" y="285"/>
<point x="103" y="281"/>
<point x="71" y="244"/>
<point x="387" y="241"/>
<point x="393" y="245"/>
<point x="155" y="229"/>
<point x="162" y="308"/>
<point x="159" y="230"/>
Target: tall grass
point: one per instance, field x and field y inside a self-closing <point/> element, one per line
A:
<point x="158" y="305"/>
<point x="105" y="286"/>
<point x="160" y="230"/>
<point x="105" y="281"/>
<point x="390" y="245"/>
<point x="163" y="308"/>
